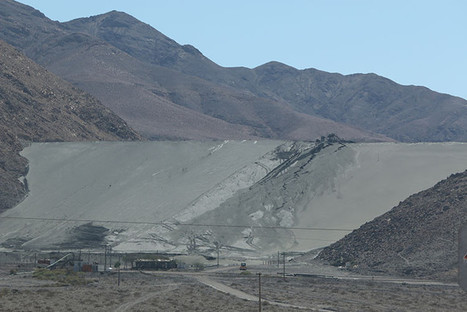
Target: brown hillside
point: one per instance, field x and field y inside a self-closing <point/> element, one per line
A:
<point x="150" y="80"/>
<point x="363" y="101"/>
<point x="417" y="238"/>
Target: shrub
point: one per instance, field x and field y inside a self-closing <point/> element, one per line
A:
<point x="61" y="276"/>
<point x="198" y="266"/>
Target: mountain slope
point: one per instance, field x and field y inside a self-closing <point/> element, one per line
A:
<point x="159" y="101"/>
<point x="145" y="95"/>
<point x="143" y="42"/>
<point x="405" y="113"/>
<point x="416" y="238"/>
<point x="37" y="106"/>
<point x="272" y="101"/>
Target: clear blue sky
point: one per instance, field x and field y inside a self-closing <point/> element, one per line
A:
<point x="413" y="42"/>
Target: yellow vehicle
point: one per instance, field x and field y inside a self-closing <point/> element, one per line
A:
<point x="243" y="266"/>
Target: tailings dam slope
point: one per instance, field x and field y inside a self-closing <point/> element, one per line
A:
<point x="240" y="196"/>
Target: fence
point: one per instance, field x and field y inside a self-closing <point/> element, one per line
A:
<point x="28" y="260"/>
<point x="22" y="261"/>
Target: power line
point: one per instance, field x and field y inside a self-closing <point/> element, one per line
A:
<point x="179" y="224"/>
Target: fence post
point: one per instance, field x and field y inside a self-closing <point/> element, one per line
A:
<point x="259" y="291"/>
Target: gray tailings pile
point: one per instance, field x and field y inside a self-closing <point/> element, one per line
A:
<point x="244" y="197"/>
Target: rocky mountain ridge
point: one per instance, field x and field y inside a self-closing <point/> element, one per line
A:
<point x="366" y="101"/>
<point x="147" y="78"/>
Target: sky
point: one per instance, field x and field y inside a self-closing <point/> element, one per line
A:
<point x="413" y="42"/>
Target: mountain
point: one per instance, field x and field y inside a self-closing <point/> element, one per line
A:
<point x="158" y="101"/>
<point x="371" y="102"/>
<point x="37" y="106"/>
<point x="416" y="238"/>
<point x="166" y="90"/>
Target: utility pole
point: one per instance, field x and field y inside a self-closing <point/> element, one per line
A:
<point x="110" y="256"/>
<point x="259" y="291"/>
<point x="118" y="275"/>
<point x="105" y="258"/>
<point x="278" y="259"/>
<point x="283" y="270"/>
<point x="217" y="244"/>
<point x="118" y="265"/>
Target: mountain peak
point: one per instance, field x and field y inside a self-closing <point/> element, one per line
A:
<point x="12" y="7"/>
<point x="276" y="66"/>
<point x="113" y="15"/>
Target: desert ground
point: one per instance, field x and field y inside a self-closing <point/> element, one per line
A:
<point x="226" y="289"/>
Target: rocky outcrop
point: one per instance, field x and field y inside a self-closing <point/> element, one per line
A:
<point x="418" y="238"/>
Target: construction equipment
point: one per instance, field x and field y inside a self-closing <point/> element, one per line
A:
<point x="67" y="259"/>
